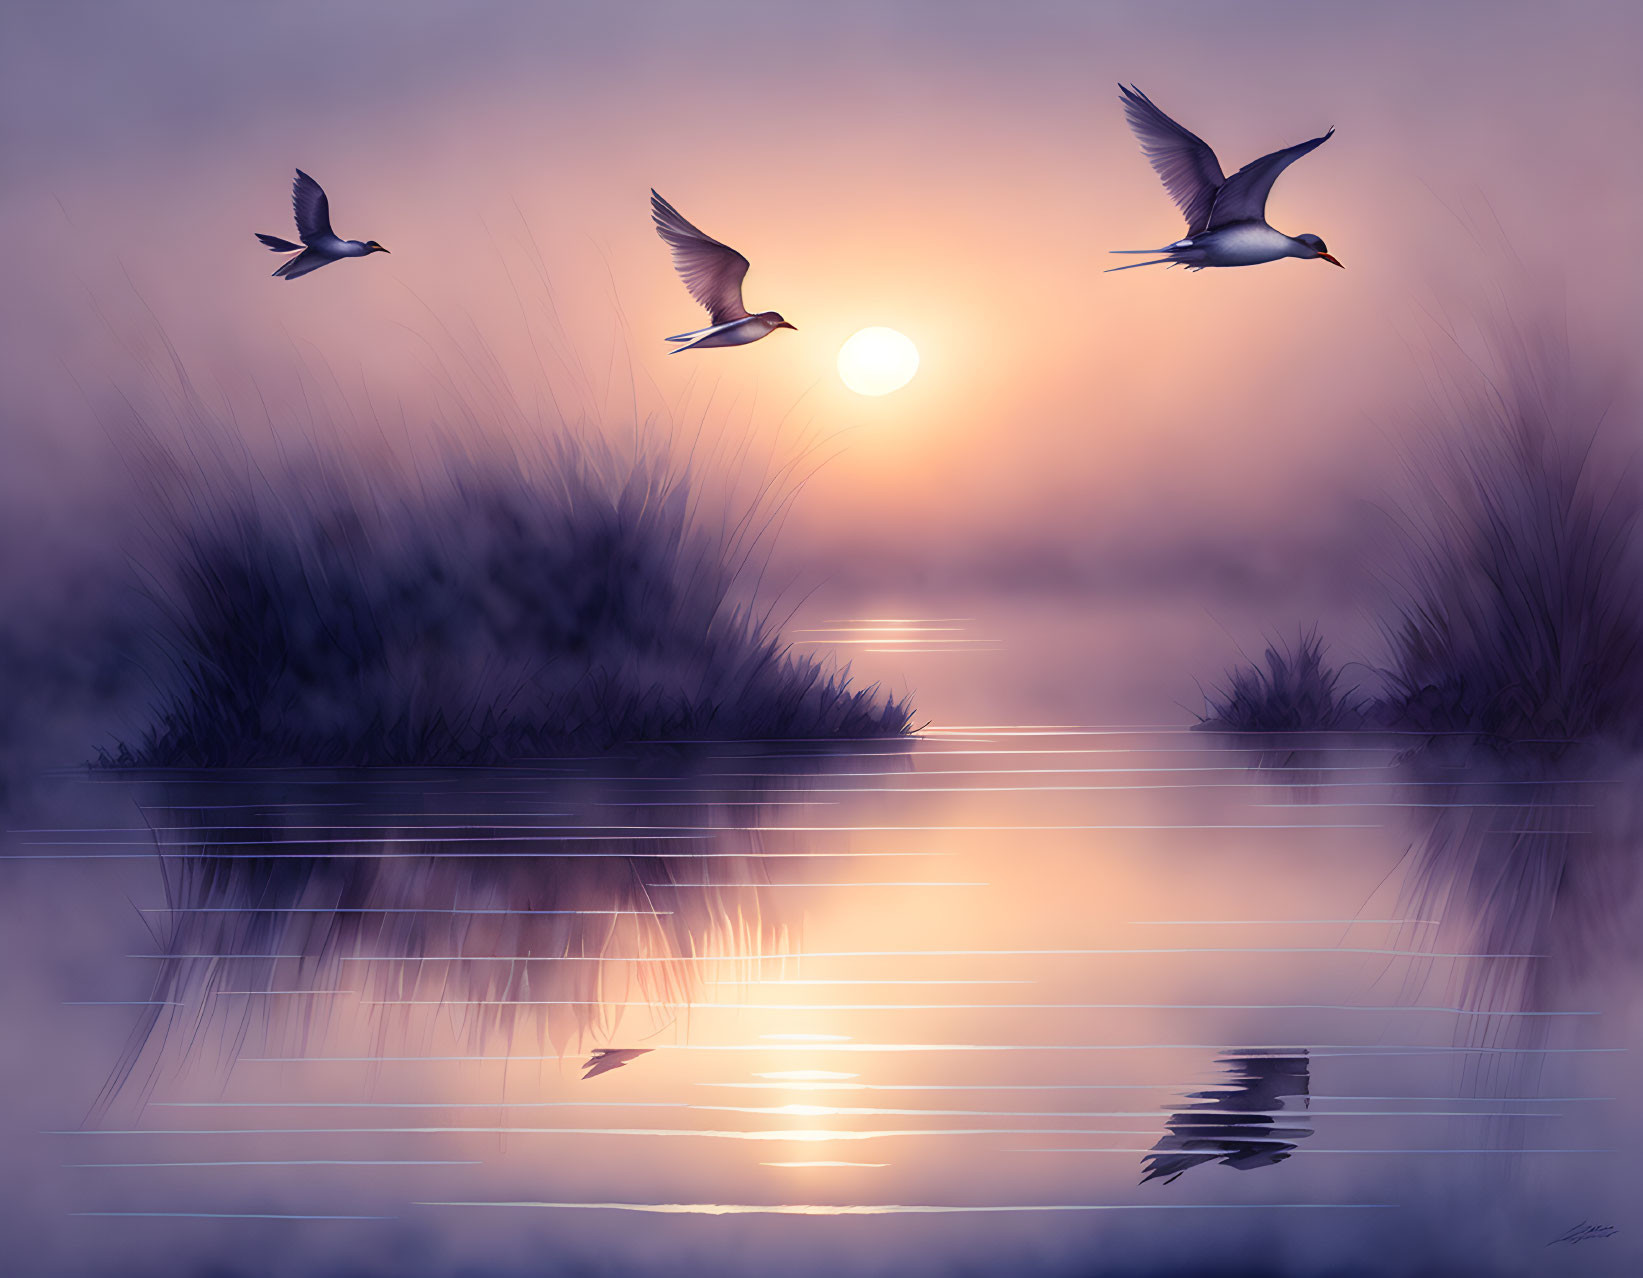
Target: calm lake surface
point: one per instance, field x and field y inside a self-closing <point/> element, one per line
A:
<point x="1044" y="989"/>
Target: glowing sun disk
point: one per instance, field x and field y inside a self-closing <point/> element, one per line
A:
<point x="876" y="361"/>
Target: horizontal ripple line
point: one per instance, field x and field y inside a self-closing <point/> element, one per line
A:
<point x="930" y="1007"/>
<point x="225" y="1215"/>
<point x="1317" y="1049"/>
<point x="302" y="1162"/>
<point x="894" y="1209"/>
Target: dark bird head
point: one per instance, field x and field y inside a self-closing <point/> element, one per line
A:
<point x="371" y="246"/>
<point x="774" y="319"/>
<point x="1318" y="248"/>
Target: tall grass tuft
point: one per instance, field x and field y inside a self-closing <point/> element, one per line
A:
<point x="1516" y="608"/>
<point x="1297" y="690"/>
<point x="561" y="599"/>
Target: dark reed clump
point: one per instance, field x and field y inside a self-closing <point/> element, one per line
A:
<point x="569" y="600"/>
<point x="1513" y="610"/>
<point x="1516" y="611"/>
<point x="1297" y="690"/>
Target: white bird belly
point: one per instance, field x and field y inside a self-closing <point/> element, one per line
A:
<point x="744" y="333"/>
<point x="736" y="333"/>
<point x="1246" y="245"/>
<point x="740" y="333"/>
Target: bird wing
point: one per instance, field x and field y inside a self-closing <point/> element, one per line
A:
<point x="1243" y="197"/>
<point x="312" y="209"/>
<point x="1190" y="172"/>
<point x="304" y="262"/>
<point x="713" y="272"/>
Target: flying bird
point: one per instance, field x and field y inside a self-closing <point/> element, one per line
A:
<point x="1226" y="216"/>
<point x="605" y="1059"/>
<point x="713" y="272"/>
<point x="320" y="244"/>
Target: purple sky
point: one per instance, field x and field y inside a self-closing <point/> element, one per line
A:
<point x="954" y="171"/>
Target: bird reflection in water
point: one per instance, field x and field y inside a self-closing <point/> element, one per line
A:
<point x="605" y="1059"/>
<point x="1233" y="1123"/>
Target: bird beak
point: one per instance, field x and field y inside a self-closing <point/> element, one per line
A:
<point x="380" y="249"/>
<point x="1330" y="257"/>
<point x="785" y="324"/>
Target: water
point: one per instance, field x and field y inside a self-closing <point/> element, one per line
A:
<point x="1010" y="994"/>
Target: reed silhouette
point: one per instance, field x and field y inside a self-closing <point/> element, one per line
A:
<point x="1512" y="612"/>
<point x="1296" y="690"/>
<point x="563" y="598"/>
<point x="529" y="910"/>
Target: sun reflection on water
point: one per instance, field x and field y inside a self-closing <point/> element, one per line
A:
<point x="805" y="1075"/>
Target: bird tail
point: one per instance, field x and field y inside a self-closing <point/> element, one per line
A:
<point x="1168" y="258"/>
<point x="278" y="245"/>
<point x="1157" y="261"/>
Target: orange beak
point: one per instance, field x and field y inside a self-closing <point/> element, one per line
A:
<point x="1330" y="257"/>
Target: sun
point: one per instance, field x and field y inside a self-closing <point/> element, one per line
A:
<point x="877" y="361"/>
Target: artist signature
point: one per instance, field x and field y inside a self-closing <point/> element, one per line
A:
<point x="1585" y="1233"/>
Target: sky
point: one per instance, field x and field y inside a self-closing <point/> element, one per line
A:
<point x="955" y="171"/>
